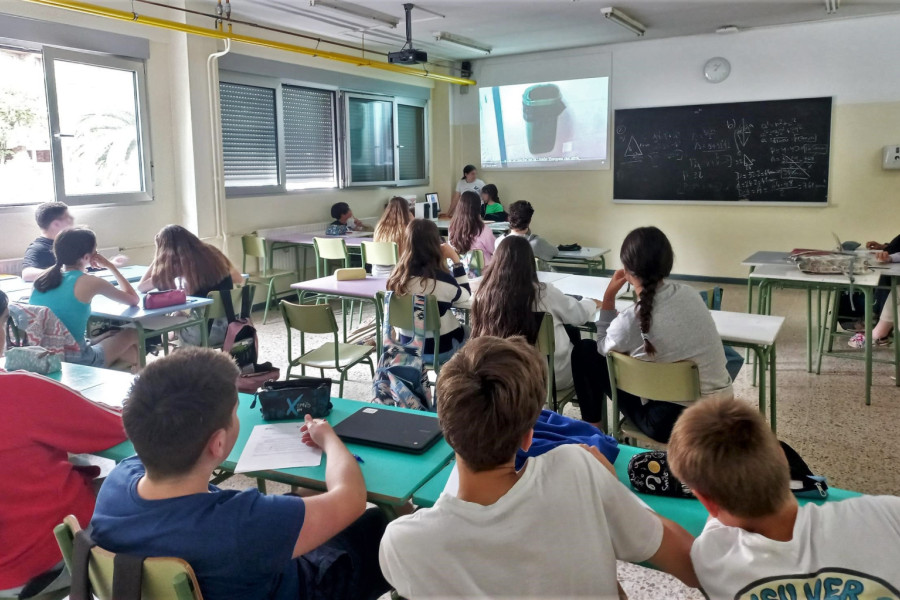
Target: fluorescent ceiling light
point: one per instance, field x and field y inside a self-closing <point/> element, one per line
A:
<point x="443" y="36"/>
<point x="619" y="18"/>
<point x="359" y="11"/>
<point x="728" y="29"/>
<point x="831" y="6"/>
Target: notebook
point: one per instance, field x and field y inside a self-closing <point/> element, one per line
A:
<point x="395" y="430"/>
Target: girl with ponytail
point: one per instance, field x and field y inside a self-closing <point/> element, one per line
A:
<point x="67" y="290"/>
<point x="669" y="323"/>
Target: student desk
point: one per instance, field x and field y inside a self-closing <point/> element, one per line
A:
<point x="687" y="512"/>
<point x="155" y="321"/>
<point x="591" y="257"/>
<point x="105" y="386"/>
<point x="353" y="289"/>
<point x="497" y="227"/>
<point x="303" y="240"/>
<point x="18" y="289"/>
<point x="391" y="477"/>
<point x="769" y="276"/>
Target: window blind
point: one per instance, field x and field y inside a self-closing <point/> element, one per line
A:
<point x="411" y="134"/>
<point x="309" y="140"/>
<point x="249" y="136"/>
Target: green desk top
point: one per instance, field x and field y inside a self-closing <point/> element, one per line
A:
<point x="391" y="477"/>
<point x="687" y="512"/>
<point x="100" y="385"/>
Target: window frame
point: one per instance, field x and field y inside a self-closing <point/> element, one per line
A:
<point x="142" y="118"/>
<point x="397" y="101"/>
<point x="277" y="83"/>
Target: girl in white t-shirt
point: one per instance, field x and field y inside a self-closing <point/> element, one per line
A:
<point x="468" y="183"/>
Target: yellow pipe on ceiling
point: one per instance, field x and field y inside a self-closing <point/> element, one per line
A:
<point x="121" y="15"/>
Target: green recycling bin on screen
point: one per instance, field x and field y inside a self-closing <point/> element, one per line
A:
<point x="541" y="106"/>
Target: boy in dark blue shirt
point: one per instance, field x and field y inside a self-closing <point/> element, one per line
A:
<point x="181" y="416"/>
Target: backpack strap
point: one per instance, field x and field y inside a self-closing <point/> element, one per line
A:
<point x="228" y="305"/>
<point x="127" y="572"/>
<point x="246" y="301"/>
<point x="81" y="554"/>
<point x="418" y="342"/>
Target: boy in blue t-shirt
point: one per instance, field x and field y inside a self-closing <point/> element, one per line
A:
<point x="181" y="416"/>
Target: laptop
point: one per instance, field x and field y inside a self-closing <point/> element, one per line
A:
<point x="391" y="429"/>
<point x="435" y="203"/>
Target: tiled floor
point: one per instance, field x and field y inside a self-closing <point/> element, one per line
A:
<point x="823" y="417"/>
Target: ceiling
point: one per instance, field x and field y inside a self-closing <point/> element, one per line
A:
<point x="519" y="26"/>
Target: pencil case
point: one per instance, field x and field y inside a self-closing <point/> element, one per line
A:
<point x="294" y="399"/>
<point x="164" y="298"/>
<point x="352" y="273"/>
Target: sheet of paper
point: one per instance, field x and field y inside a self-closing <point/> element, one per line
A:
<point x="277" y="446"/>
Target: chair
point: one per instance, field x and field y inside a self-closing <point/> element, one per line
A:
<point x="664" y="382"/>
<point x="401" y="315"/>
<point x="474" y="261"/>
<point x="546" y="345"/>
<point x="331" y="249"/>
<point x="216" y="310"/>
<point x="163" y="578"/>
<point x="379" y="253"/>
<point x="319" y="318"/>
<point x="255" y="247"/>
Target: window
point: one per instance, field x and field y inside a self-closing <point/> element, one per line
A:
<point x="373" y="125"/>
<point x="280" y="136"/>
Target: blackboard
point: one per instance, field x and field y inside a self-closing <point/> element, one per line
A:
<point x="772" y="151"/>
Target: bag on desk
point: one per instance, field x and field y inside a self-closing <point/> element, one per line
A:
<point x="569" y="247"/>
<point x="32" y="358"/>
<point x="803" y="483"/>
<point x="164" y="298"/>
<point x="294" y="399"/>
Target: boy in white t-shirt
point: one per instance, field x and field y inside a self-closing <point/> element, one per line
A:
<point x="554" y="529"/>
<point x="758" y="544"/>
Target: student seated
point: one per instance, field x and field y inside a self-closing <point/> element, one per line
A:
<point x="553" y="529"/>
<point x="467" y="231"/>
<point x="51" y="217"/>
<point x="181" y="416"/>
<point x="67" y="290"/>
<point x="183" y="261"/>
<point x="43" y="420"/>
<point x="881" y="333"/>
<point x="520" y="213"/>
<point x="504" y="303"/>
<point x="391" y="227"/>
<point x="491" y="209"/>
<point x="423" y="270"/>
<point x="758" y="543"/>
<point x="669" y="323"/>
<point x="344" y="221"/>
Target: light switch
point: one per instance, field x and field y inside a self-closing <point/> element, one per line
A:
<point x="892" y="157"/>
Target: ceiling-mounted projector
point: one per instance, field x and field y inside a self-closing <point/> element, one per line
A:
<point x="408" y="55"/>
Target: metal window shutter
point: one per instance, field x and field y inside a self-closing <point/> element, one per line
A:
<point x="249" y="136"/>
<point x="308" y="136"/>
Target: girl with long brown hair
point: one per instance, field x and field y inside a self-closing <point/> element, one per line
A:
<point x="467" y="230"/>
<point x="391" y="227"/>
<point x="423" y="270"/>
<point x="505" y="305"/>
<point x="185" y="262"/>
<point x="669" y="323"/>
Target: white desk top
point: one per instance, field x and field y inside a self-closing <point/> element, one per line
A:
<point x="585" y="286"/>
<point x="792" y="273"/>
<point x="102" y="306"/>
<point x="586" y="252"/>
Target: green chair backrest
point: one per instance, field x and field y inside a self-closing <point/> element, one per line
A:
<point x="402" y="312"/>
<point x="476" y="260"/>
<point x="255" y="248"/>
<point x="713" y="297"/>
<point x="163" y="578"/>
<point x="309" y="318"/>
<point x="666" y="382"/>
<point x="546" y="345"/>
<point x="379" y="253"/>
<point x="331" y="249"/>
<point x="216" y="310"/>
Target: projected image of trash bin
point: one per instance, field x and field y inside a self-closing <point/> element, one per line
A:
<point x="541" y="106"/>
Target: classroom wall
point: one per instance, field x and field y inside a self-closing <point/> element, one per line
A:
<point x="183" y="153"/>
<point x="855" y="61"/>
